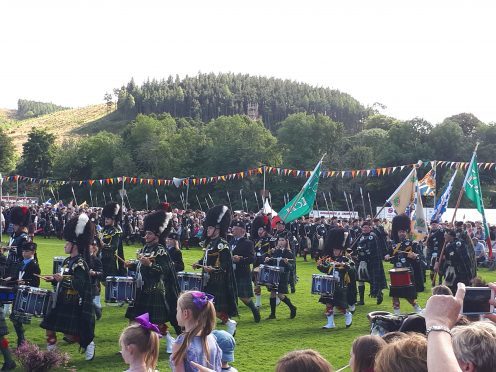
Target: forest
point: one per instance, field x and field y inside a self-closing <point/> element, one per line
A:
<point x="202" y="127"/>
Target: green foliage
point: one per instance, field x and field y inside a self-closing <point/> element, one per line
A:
<point x="304" y="138"/>
<point x="467" y="122"/>
<point x="208" y="96"/>
<point x="30" y="109"/>
<point x="38" y="154"/>
<point x="379" y="121"/>
<point x="7" y="153"/>
<point x="236" y="142"/>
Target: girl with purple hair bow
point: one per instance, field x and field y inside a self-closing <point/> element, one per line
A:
<point x="196" y="314"/>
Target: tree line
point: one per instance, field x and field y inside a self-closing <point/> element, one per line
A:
<point x="163" y="146"/>
<point x="27" y="109"/>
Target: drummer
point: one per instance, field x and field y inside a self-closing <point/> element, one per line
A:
<point x="405" y="253"/>
<point x="27" y="272"/>
<point x="281" y="256"/>
<point x="157" y="288"/>
<point x="342" y="268"/>
<point x="73" y="313"/>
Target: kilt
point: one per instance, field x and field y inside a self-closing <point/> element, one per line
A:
<point x="4" y="330"/>
<point x="283" y="283"/>
<point x="403" y="292"/>
<point x="243" y="282"/>
<point x="151" y="301"/>
<point x="66" y="316"/>
<point x="340" y="298"/>
<point x="218" y="287"/>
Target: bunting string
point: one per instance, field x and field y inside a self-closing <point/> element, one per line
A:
<point x="287" y="172"/>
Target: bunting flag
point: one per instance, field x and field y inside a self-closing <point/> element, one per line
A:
<point x="427" y="186"/>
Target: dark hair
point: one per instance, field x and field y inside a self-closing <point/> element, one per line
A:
<point x="364" y="350"/>
<point x="441" y="290"/>
<point x="393" y="336"/>
<point x="303" y="361"/>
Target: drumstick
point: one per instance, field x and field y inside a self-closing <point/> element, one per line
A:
<point x="120" y="259"/>
<point x="342" y="369"/>
<point x="42" y="276"/>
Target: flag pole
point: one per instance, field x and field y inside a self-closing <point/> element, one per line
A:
<point x="198" y="200"/>
<point x="363" y="203"/>
<point x="1" y="196"/>
<point x="241" y="197"/>
<point x="256" y="198"/>
<point x="156" y="191"/>
<point x="263" y="196"/>
<point x="352" y="206"/>
<point x="370" y="205"/>
<point x="460" y="194"/>
<point x="327" y="205"/>
<point x="347" y="205"/>
<point x="206" y="202"/>
<point x="435" y="183"/>
<point x="332" y="204"/>
<point x="229" y="198"/>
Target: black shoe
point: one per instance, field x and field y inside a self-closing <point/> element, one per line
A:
<point x="256" y="316"/>
<point x="8" y="366"/>
<point x="98" y="313"/>
<point x="360" y="303"/>
<point x="380" y="298"/>
<point x="293" y="290"/>
<point x="271" y="316"/>
<point x="293" y="312"/>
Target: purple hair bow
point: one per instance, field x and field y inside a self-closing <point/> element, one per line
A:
<point x="200" y="299"/>
<point x="144" y="321"/>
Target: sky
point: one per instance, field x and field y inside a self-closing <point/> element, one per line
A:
<point x="430" y="59"/>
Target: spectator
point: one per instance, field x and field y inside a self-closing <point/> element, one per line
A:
<point x="393" y="336"/>
<point x="227" y="344"/>
<point x="480" y="250"/>
<point x="303" y="361"/>
<point x="363" y="352"/>
<point x="140" y="345"/>
<point x="441" y="290"/>
<point x="475" y="346"/>
<point x="405" y="355"/>
<point x="196" y="313"/>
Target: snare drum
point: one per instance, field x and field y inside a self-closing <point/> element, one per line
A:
<point x="7" y="295"/>
<point x="57" y="264"/>
<point x="269" y="275"/>
<point x="324" y="285"/>
<point x="400" y="277"/>
<point x="119" y="289"/>
<point x="32" y="301"/>
<point x="189" y="281"/>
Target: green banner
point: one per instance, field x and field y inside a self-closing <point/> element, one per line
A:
<point x="302" y="203"/>
<point x="473" y="189"/>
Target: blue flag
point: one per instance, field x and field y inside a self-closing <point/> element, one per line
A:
<point x="442" y="202"/>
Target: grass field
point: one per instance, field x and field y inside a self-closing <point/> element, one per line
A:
<point x="259" y="346"/>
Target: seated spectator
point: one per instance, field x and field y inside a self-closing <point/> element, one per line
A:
<point x="405" y="355"/>
<point x="475" y="346"/>
<point x="480" y="250"/>
<point x="303" y="361"/>
<point x="227" y="344"/>
<point x="363" y="352"/>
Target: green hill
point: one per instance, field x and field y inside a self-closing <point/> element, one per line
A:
<point x="64" y="124"/>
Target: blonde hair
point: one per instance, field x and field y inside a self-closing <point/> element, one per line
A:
<point x="404" y="355"/>
<point x="205" y="324"/>
<point x="147" y="342"/>
<point x="476" y="343"/>
<point x="303" y="361"/>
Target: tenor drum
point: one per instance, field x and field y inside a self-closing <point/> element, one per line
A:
<point x="119" y="289"/>
<point x="189" y="281"/>
<point x="400" y="277"/>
